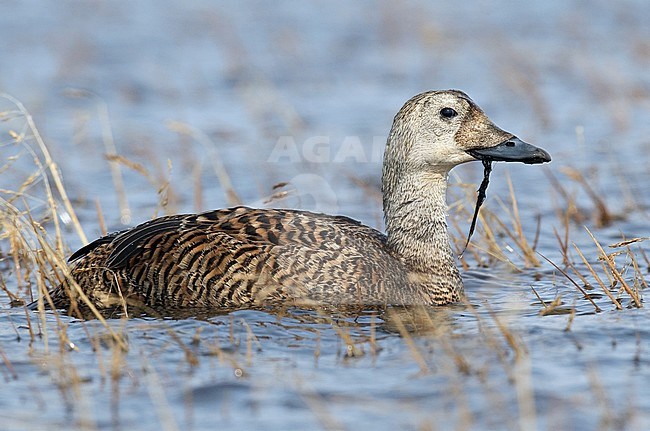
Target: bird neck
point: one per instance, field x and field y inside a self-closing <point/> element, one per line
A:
<point x="415" y="211"/>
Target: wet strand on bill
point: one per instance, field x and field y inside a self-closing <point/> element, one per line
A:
<point x="487" y="165"/>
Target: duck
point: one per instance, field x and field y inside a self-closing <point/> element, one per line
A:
<point x="245" y="257"/>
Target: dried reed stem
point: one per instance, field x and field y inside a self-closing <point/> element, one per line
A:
<point x="617" y="275"/>
<point x="213" y="155"/>
<point x="54" y="171"/>
<point x="568" y="277"/>
<point x="598" y="279"/>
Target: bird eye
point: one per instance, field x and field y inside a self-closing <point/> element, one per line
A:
<point x="448" y="112"/>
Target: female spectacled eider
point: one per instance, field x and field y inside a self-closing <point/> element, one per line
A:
<point x="245" y="257"/>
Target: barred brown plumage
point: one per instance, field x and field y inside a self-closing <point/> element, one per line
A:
<point x="245" y="257"/>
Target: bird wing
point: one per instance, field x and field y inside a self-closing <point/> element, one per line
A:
<point x="249" y="254"/>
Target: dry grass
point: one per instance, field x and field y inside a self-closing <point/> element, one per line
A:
<point x="620" y="275"/>
<point x="499" y="236"/>
<point x="608" y="274"/>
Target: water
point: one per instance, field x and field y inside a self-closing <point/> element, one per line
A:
<point x="306" y="93"/>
